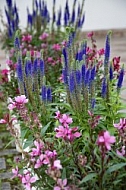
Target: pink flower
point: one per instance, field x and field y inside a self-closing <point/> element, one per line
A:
<point x="43" y="36"/>
<point x="116" y="63"/>
<point x="43" y="159"/>
<point x="93" y="122"/>
<point x="61" y="184"/>
<point x="21" y="99"/>
<point x="51" y="154"/>
<point x="15" y="172"/>
<point x="56" y="47"/>
<point x="44" y="45"/>
<point x="60" y="79"/>
<point x="104" y="139"/>
<point x="49" y="59"/>
<point x="58" y="115"/>
<point x="73" y="134"/>
<point x="27" y="180"/>
<point x="122" y="152"/>
<point x="57" y="164"/>
<point x="61" y="132"/>
<point x="121" y="125"/>
<point x="27" y="38"/>
<point x="65" y="119"/>
<point x="3" y="121"/>
<point x="90" y="34"/>
<point x="11" y="106"/>
<point x="5" y="72"/>
<point x="68" y="134"/>
<point x="101" y="52"/>
<point x="37" y="151"/>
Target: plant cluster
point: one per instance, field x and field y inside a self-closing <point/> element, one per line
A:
<point x="72" y="131"/>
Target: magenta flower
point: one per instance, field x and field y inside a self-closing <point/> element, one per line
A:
<point x="49" y="59"/>
<point x="27" y="180"/>
<point x="90" y="34"/>
<point x="15" y="171"/>
<point x="27" y="38"/>
<point x="101" y="52"/>
<point x="3" y="121"/>
<point x="121" y="125"/>
<point x="21" y="99"/>
<point x="61" y="132"/>
<point x="57" y="164"/>
<point x="51" y="154"/>
<point x="122" y="152"/>
<point x="68" y="134"/>
<point x="56" y="47"/>
<point x="5" y="72"/>
<point x="58" y="115"/>
<point x="65" y="120"/>
<point x="61" y="184"/>
<point x="44" y="36"/>
<point x="43" y="159"/>
<point x="37" y="151"/>
<point x="104" y="139"/>
<point x="73" y="134"/>
<point x="11" y="106"/>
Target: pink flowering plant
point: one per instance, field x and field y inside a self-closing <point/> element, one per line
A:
<point x="72" y="137"/>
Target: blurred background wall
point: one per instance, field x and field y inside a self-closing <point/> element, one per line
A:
<point x="100" y="14"/>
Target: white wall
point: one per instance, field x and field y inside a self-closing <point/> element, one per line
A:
<point x="100" y="14"/>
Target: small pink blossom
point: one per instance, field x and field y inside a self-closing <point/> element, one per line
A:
<point x="121" y="125"/>
<point x="93" y="122"/>
<point x="5" y="72"/>
<point x="21" y="99"/>
<point x="68" y="134"/>
<point x="58" y="115"/>
<point x="122" y="152"/>
<point x="24" y="51"/>
<point x="51" y="154"/>
<point x="27" y="38"/>
<point x="60" y="79"/>
<point x="15" y="171"/>
<point x="65" y="120"/>
<point x="44" y="36"/>
<point x="43" y="45"/>
<point x="37" y="151"/>
<point x="11" y="106"/>
<point x="49" y="59"/>
<point x="116" y="63"/>
<point x="90" y="34"/>
<point x="104" y="139"/>
<point x="27" y="180"/>
<point x="64" y="43"/>
<point x="3" y="121"/>
<point x="101" y="52"/>
<point x="57" y="164"/>
<point x="56" y="47"/>
<point x="43" y="159"/>
<point x="61" y="184"/>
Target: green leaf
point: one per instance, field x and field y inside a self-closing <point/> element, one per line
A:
<point x="28" y="142"/>
<point x="44" y="129"/>
<point x="88" y="177"/>
<point x="115" y="167"/>
<point x="24" y="132"/>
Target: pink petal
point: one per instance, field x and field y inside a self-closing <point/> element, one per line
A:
<point x="33" y="179"/>
<point x="57" y="188"/>
<point x="101" y="139"/>
<point x="64" y="182"/>
<point x="108" y="146"/>
<point x="77" y="134"/>
<point x="57" y="164"/>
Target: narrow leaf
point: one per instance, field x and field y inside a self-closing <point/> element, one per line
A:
<point x="88" y="178"/>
